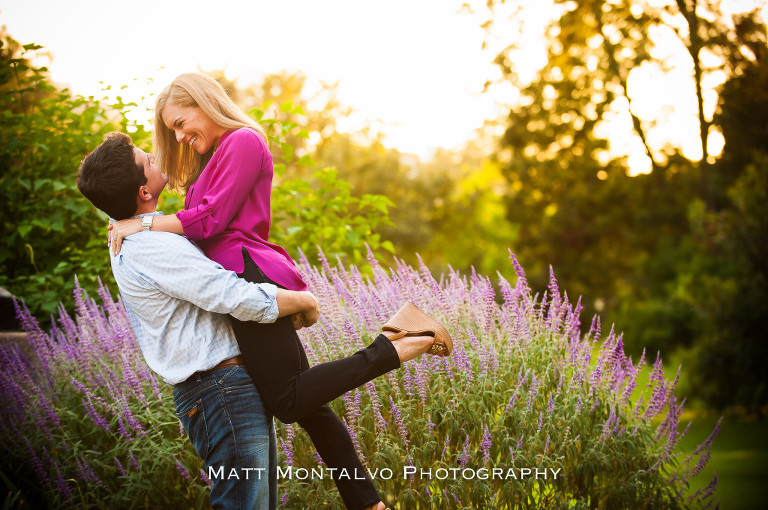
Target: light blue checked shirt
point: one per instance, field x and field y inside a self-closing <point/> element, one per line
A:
<point x="177" y="300"/>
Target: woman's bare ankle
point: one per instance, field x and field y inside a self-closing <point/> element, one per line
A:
<point x="409" y="347"/>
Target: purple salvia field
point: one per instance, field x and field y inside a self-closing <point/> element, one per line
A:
<point x="87" y="390"/>
<point x="570" y="382"/>
<point x="523" y="388"/>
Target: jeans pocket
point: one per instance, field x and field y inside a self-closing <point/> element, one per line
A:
<point x="193" y="420"/>
<point x="235" y="377"/>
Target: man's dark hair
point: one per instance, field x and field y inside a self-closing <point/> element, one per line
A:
<point x="110" y="178"/>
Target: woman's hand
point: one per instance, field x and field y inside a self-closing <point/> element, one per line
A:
<point x="119" y="229"/>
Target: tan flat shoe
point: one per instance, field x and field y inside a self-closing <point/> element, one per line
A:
<point x="410" y="321"/>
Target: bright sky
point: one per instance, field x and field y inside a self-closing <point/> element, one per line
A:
<point x="415" y="68"/>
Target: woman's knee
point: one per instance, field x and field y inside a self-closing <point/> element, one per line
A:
<point x="287" y="413"/>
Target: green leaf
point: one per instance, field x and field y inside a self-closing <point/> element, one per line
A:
<point x="23" y="230"/>
<point x="353" y="237"/>
<point x="287" y="150"/>
<point x="58" y="224"/>
<point x="257" y="113"/>
<point x="306" y="160"/>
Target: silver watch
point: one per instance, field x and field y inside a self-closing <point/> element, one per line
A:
<point x="146" y="222"/>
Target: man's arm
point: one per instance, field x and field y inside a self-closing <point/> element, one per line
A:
<point x="302" y="306"/>
<point x="178" y="268"/>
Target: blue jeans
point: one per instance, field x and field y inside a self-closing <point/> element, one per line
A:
<point x="232" y="432"/>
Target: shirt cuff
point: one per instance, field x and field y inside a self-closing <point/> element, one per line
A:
<point x="272" y="312"/>
<point x="192" y="221"/>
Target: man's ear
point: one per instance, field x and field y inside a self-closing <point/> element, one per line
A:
<point x="144" y="194"/>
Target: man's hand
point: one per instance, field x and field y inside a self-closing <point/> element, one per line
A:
<point x="301" y="306"/>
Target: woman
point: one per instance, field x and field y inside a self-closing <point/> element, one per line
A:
<point x="219" y="156"/>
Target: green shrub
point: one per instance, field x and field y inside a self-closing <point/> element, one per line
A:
<point x="48" y="232"/>
<point x="321" y="211"/>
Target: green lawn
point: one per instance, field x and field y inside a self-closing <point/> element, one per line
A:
<point x="739" y="458"/>
<point x="739" y="452"/>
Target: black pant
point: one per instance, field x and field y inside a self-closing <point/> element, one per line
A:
<point x="294" y="392"/>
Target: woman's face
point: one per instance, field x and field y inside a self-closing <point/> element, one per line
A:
<point x="192" y="127"/>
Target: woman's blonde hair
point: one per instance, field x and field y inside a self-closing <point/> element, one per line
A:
<point x="181" y="163"/>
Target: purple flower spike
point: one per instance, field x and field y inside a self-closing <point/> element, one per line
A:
<point x="63" y="488"/>
<point x="287" y="444"/>
<point x="399" y="422"/>
<point x="182" y="470"/>
<point x="464" y="460"/>
<point x="120" y="468"/>
<point x="486" y="444"/>
<point x="204" y="477"/>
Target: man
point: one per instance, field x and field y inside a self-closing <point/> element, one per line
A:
<point x="175" y="298"/>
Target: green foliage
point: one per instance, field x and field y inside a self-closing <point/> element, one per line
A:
<point x="720" y="295"/>
<point x="708" y="289"/>
<point x="320" y="212"/>
<point x="447" y="212"/>
<point x="316" y="113"/>
<point x="48" y="232"/>
<point x="568" y="195"/>
<point x="470" y="219"/>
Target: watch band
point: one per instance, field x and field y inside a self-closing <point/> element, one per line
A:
<point x="146" y="222"/>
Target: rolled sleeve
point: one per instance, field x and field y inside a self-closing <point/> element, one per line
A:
<point x="264" y="300"/>
<point x="192" y="220"/>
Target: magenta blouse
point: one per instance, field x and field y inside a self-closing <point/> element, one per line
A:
<point x="228" y="208"/>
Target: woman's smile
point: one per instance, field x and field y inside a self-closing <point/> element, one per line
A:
<point x="192" y="126"/>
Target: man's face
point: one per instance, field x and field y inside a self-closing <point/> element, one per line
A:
<point x="156" y="180"/>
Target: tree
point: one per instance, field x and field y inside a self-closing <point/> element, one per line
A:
<point x="569" y="186"/>
<point x="652" y="248"/>
<point x="314" y="112"/>
<point x="48" y="232"/>
<point x="313" y="206"/>
<point x="568" y="190"/>
<point x="728" y="275"/>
